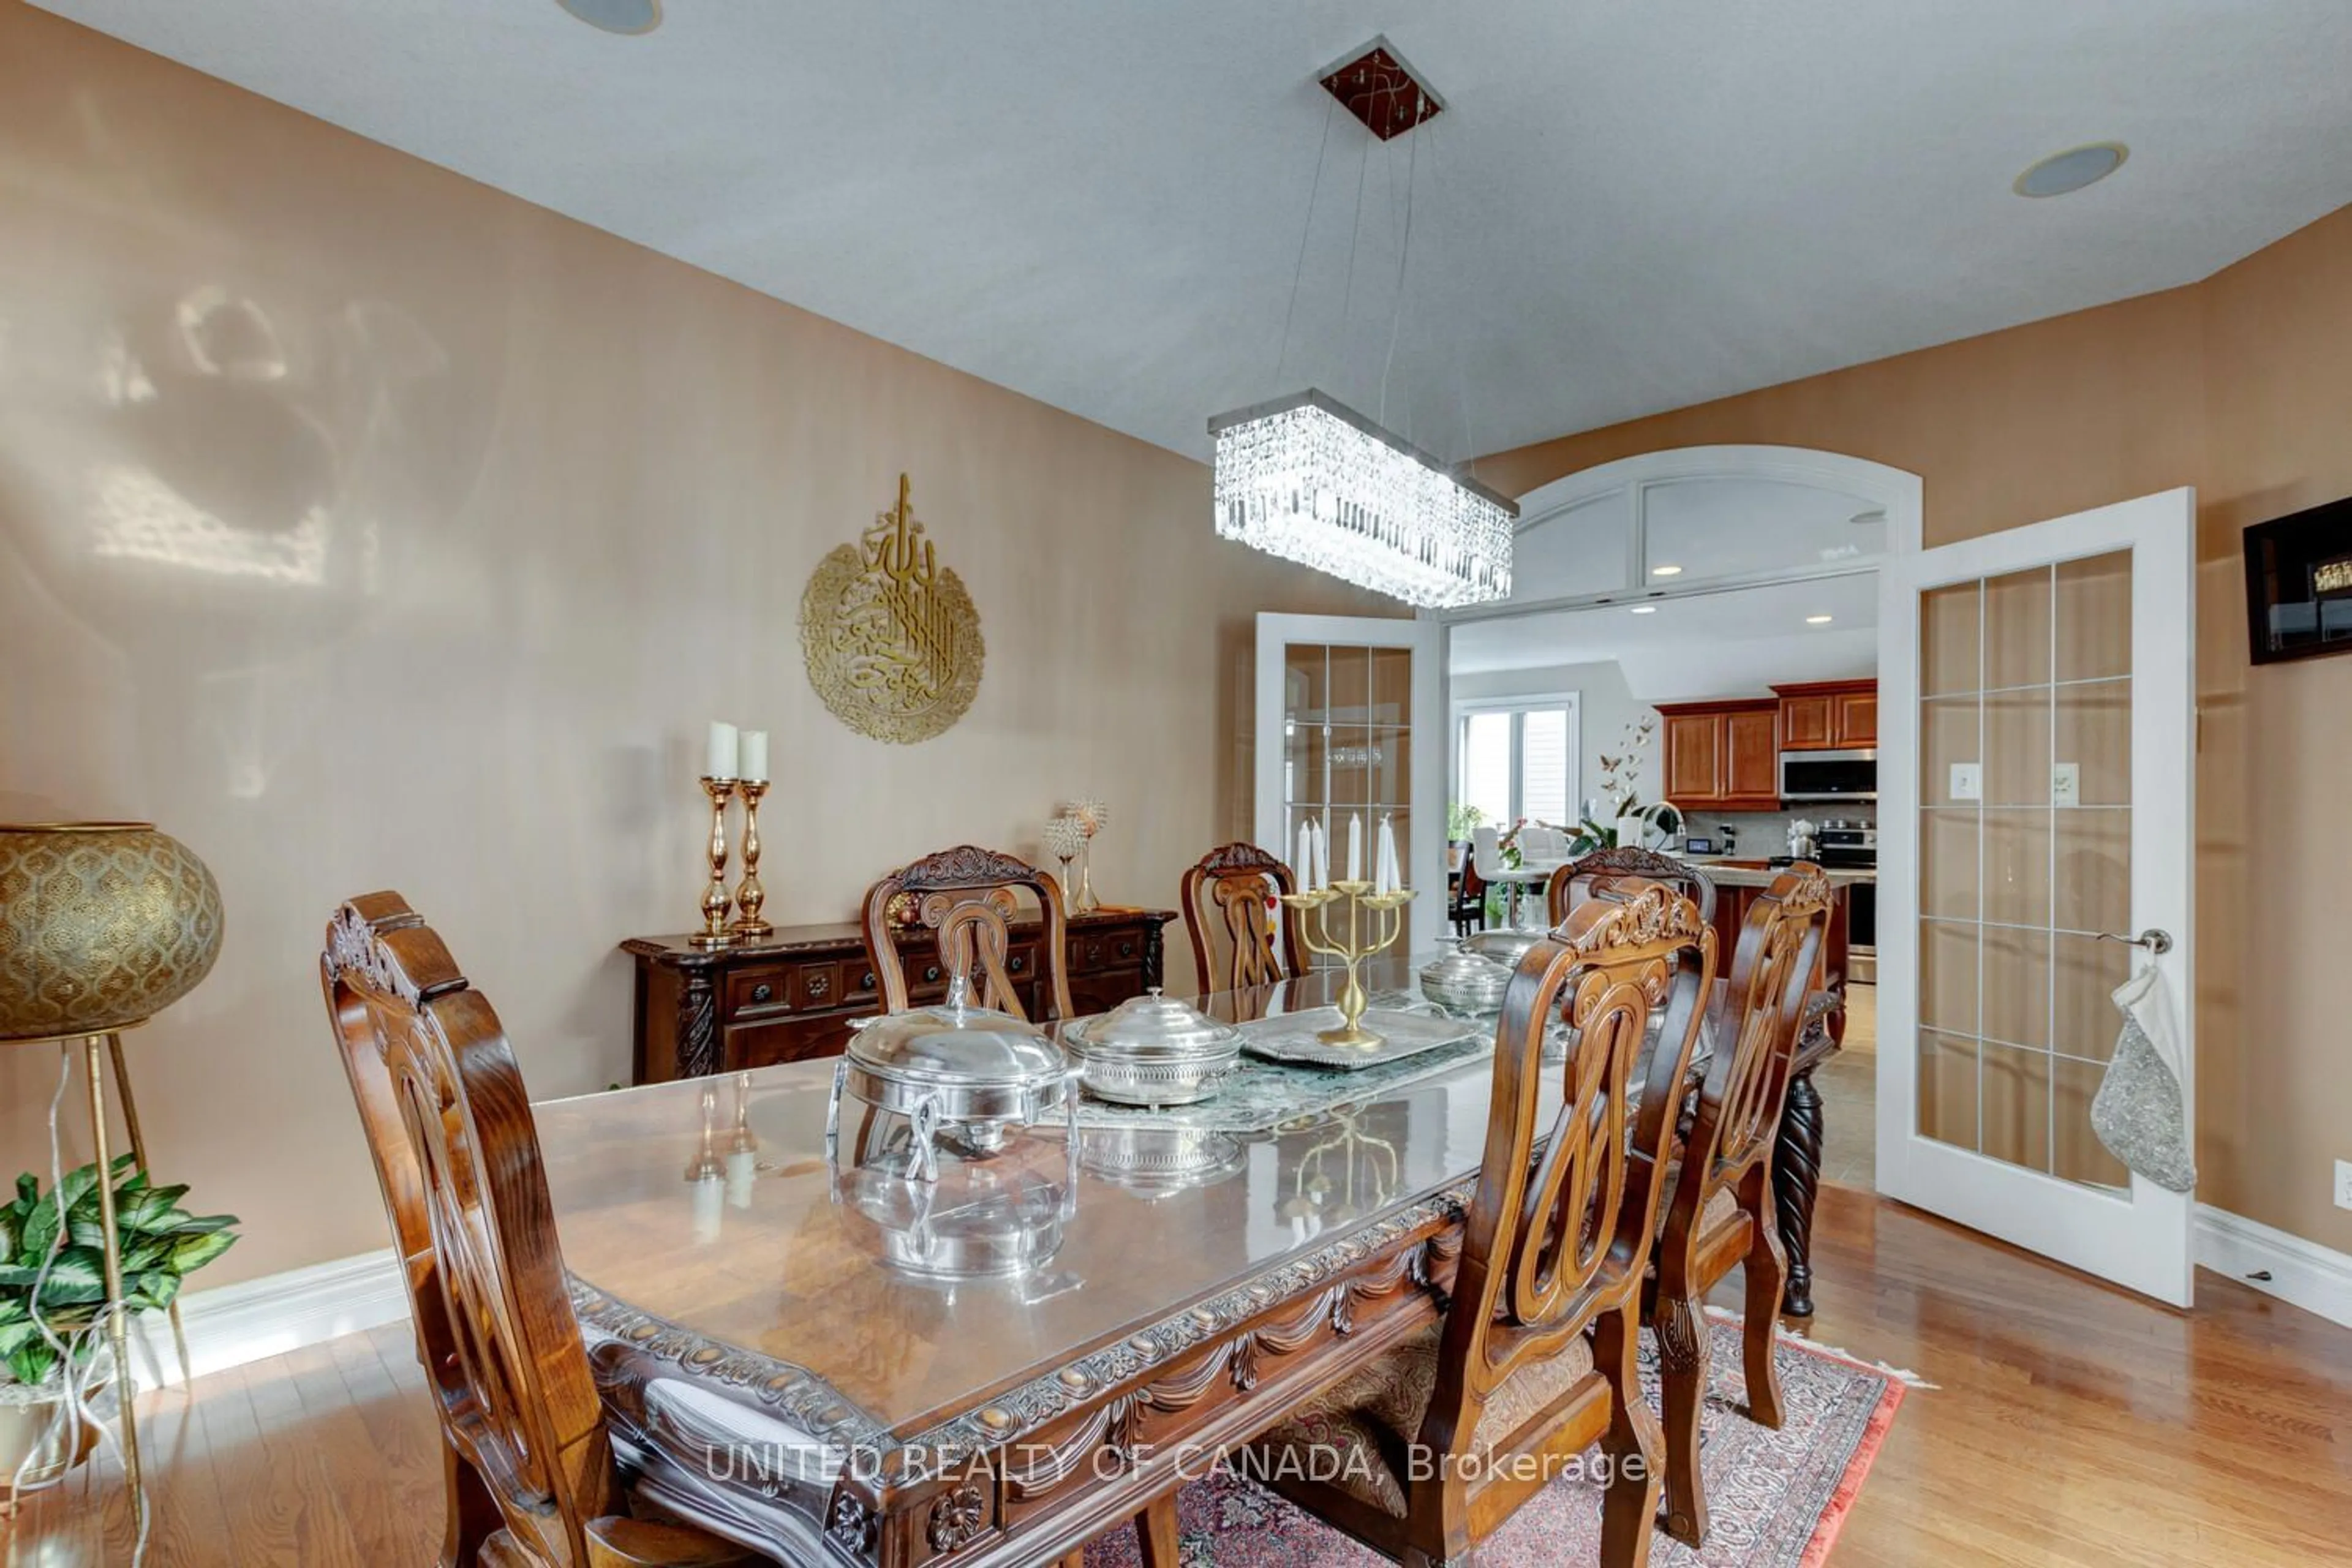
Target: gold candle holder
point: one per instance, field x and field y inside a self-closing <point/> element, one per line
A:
<point x="749" y="894"/>
<point x="715" y="902"/>
<point x="1387" y="919"/>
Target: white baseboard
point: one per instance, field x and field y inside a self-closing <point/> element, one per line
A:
<point x="274" y="1315"/>
<point x="2302" y="1273"/>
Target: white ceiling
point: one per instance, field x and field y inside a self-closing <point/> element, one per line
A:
<point x="1628" y="208"/>
<point x="1732" y="644"/>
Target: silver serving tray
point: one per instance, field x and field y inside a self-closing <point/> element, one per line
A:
<point x="1291" y="1038"/>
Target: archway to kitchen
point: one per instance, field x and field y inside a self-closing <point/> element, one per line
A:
<point x="1658" y="601"/>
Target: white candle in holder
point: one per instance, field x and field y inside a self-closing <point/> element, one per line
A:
<point x="721" y="762"/>
<point x="1391" y="875"/>
<point x="1320" y="874"/>
<point x="1355" y="848"/>
<point x="1302" y="872"/>
<point x="754" y="756"/>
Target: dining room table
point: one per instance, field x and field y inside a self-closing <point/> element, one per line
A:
<point x="819" y="1358"/>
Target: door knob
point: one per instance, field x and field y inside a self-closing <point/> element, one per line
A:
<point x="2159" y="943"/>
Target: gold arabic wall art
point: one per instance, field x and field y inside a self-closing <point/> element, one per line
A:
<point x="891" y="639"/>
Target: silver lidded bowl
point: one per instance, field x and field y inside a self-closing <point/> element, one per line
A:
<point x="1153" y="1050"/>
<point x="1504" y="945"/>
<point x="967" y="1075"/>
<point x="1466" y="983"/>
<point x="1156" y="1160"/>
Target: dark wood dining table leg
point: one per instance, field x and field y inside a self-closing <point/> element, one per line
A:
<point x="1796" y="1180"/>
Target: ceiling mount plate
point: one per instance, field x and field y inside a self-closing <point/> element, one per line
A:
<point x="1375" y="85"/>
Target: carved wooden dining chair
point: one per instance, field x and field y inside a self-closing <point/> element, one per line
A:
<point x="1720" y="1211"/>
<point x="1573" y="882"/>
<point x="967" y="897"/>
<point x="1535" y="1358"/>
<point x="528" y="1454"/>
<point x="1237" y="942"/>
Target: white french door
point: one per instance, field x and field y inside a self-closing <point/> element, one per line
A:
<point x="2036" y="779"/>
<point x="1351" y="724"/>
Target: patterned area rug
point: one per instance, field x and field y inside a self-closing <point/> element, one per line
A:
<point x="1776" y="1498"/>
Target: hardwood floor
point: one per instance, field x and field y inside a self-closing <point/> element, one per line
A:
<point x="2074" y="1425"/>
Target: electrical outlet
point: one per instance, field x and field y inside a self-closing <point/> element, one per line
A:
<point x="2343" y="1183"/>
<point x="2066" y="784"/>
<point x="1967" y="782"/>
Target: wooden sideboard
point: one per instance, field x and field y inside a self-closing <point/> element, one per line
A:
<point x="794" y="993"/>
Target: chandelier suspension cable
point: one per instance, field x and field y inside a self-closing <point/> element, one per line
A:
<point x="1298" y="274"/>
<point x="1404" y="253"/>
<point x="1461" y="355"/>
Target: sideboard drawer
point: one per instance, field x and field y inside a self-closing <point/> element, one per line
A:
<point x="791" y="986"/>
<point x="1093" y="953"/>
<point x="785" y="1039"/>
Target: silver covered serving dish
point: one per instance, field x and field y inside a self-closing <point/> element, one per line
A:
<point x="1506" y="945"/>
<point x="969" y="1077"/>
<point x="1156" y="1160"/>
<point x="1466" y="983"/>
<point x="1153" y="1050"/>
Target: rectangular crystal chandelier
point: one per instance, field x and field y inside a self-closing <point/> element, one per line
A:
<point x="1311" y="481"/>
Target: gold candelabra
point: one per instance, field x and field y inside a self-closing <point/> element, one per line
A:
<point x="1387" y="919"/>
<point x="715" y="901"/>
<point x="749" y="894"/>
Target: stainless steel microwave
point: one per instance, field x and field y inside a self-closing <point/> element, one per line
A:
<point x="1829" y="775"/>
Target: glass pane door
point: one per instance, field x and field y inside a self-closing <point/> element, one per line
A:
<point x="2024" y="859"/>
<point x="1351" y="730"/>
<point x="2037" y="786"/>
<point x="1348" y="732"/>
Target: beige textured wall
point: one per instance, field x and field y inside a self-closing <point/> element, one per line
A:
<point x="366" y="527"/>
<point x="2241" y="385"/>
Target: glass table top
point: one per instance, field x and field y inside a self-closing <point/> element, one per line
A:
<point x="885" y="1290"/>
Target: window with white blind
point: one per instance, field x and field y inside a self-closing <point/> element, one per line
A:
<point x="1517" y="759"/>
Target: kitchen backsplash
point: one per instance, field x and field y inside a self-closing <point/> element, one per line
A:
<point x="1766" y="833"/>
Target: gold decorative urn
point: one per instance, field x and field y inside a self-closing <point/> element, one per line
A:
<point x="102" y="926"/>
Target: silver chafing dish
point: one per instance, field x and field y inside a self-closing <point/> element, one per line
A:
<point x="1466" y="983"/>
<point x="967" y="1076"/>
<point x="1153" y="1050"/>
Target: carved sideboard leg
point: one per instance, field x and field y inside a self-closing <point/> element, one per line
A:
<point x="698" y="1025"/>
<point x="1796" y="1180"/>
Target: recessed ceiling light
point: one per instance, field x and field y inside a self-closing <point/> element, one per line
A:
<point x="1666" y="571"/>
<point x="616" y="15"/>
<point x="1817" y="620"/>
<point x="1645" y="609"/>
<point x="2064" y="172"/>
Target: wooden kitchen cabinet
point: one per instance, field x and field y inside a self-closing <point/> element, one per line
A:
<point x="1722" y="756"/>
<point x="1829" y="716"/>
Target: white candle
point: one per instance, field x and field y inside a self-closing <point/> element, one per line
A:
<point x="1392" y="876"/>
<point x="754" y="759"/>
<point x="710" y="1205"/>
<point x="1304" y="870"/>
<point x="722" y="760"/>
<point x="1355" y="848"/>
<point x="1322" y="856"/>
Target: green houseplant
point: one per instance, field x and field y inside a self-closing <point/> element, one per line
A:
<point x="162" y="1245"/>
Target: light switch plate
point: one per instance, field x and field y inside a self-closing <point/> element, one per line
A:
<point x="2066" y="784"/>
<point x="1967" y="782"/>
<point x="2343" y="1183"/>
